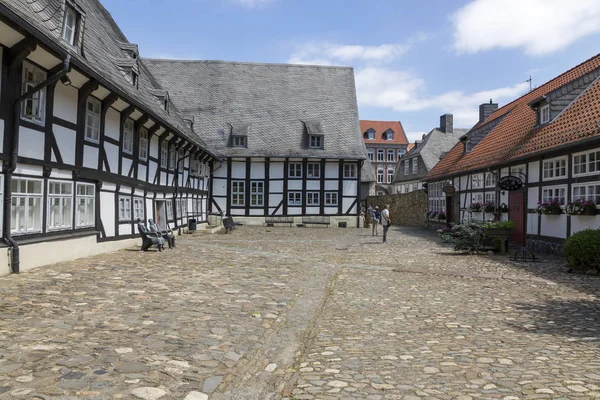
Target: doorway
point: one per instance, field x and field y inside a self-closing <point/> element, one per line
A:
<point x="161" y="214"/>
<point x="516" y="213"/>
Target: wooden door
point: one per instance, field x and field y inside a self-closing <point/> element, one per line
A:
<point x="161" y="214"/>
<point x="516" y="213"/>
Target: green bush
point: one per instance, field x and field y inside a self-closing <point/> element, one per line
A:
<point x="469" y="236"/>
<point x="582" y="250"/>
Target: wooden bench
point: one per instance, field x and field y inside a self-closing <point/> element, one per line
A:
<point x="229" y="224"/>
<point x="271" y="220"/>
<point x="315" y="220"/>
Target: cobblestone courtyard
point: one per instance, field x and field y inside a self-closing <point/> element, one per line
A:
<point x="315" y="313"/>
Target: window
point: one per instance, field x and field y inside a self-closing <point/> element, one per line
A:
<point x="26" y="211"/>
<point x="124" y="208"/>
<point x="181" y="159"/>
<point x="60" y="205"/>
<point x="490" y="198"/>
<point x="406" y="168"/>
<point x="178" y="205"/>
<point x="312" y="198"/>
<point x="390" y="175"/>
<point x="390" y="156"/>
<point x="371" y="135"/>
<point x="257" y="191"/>
<point x="238" y="192"/>
<point x="315" y="142"/>
<point x="589" y="192"/>
<point x="313" y="170"/>
<point x="172" y="157"/>
<point x="69" y="26"/>
<point x="194" y="165"/>
<point x="92" y="120"/>
<point x="239" y="141"/>
<point x="331" y="198"/>
<point x="295" y="170"/>
<point x="143" y="144"/>
<point x="545" y="114"/>
<point x="490" y="179"/>
<point x="406" y="188"/>
<point x="555" y="168"/>
<point x="138" y="209"/>
<point x="389" y="135"/>
<point x="349" y="170"/>
<point x="437" y="198"/>
<point x="86" y="205"/>
<point x="586" y="163"/>
<point x="476" y="181"/>
<point x="400" y="153"/>
<point x="134" y="79"/>
<point x="294" y="198"/>
<point x="128" y="136"/>
<point x="552" y="193"/>
<point x="380" y="175"/>
<point x="415" y="186"/>
<point x="164" y="154"/>
<point x="415" y="165"/>
<point x="371" y="154"/>
<point x="34" y="106"/>
<point x="380" y="155"/>
<point x="169" y="204"/>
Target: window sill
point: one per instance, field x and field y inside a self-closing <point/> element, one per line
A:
<point x="53" y="236"/>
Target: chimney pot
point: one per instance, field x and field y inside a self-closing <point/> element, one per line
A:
<point x="447" y="123"/>
<point x="487" y="109"/>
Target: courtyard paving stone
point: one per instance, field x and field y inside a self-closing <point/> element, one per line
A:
<point x="300" y="313"/>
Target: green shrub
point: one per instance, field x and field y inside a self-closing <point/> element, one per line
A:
<point x="469" y="236"/>
<point x="582" y="250"/>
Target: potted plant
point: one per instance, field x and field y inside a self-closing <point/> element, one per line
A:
<point x="581" y="207"/>
<point x="441" y="216"/>
<point x="503" y="208"/>
<point x="475" y="207"/>
<point x="551" y="207"/>
<point x="500" y="230"/>
<point x="488" y="206"/>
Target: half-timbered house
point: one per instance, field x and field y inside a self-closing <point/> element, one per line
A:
<point x="89" y="142"/>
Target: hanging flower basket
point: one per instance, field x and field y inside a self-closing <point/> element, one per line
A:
<point x="581" y="207"/>
<point x="503" y="208"/>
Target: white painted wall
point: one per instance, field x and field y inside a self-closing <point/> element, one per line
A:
<point x="581" y="222"/>
<point x="332" y="169"/>
<point x="65" y="139"/>
<point x="111" y="127"/>
<point x="107" y="210"/>
<point x="65" y="102"/>
<point x="257" y="171"/>
<point x="295" y="185"/>
<point x="532" y="197"/>
<point x="534" y="172"/>
<point x="554" y="225"/>
<point x="276" y="186"/>
<point x="313" y="185"/>
<point x="276" y="170"/>
<point x="350" y="188"/>
<point x="90" y="157"/>
<point x="31" y="143"/>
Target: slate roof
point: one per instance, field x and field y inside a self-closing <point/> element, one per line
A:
<point x="516" y="135"/>
<point x="103" y="48"/>
<point x="381" y="126"/>
<point x="279" y="101"/>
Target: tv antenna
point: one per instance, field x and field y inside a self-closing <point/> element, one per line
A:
<point x="528" y="80"/>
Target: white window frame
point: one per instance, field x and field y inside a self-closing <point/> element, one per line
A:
<point x="172" y="158"/>
<point x="238" y="193"/>
<point x="128" y="130"/>
<point x="437" y="198"/>
<point x="38" y="99"/>
<point x="179" y="208"/>
<point x="415" y="165"/>
<point x="257" y="193"/>
<point x="554" y="168"/>
<point x="490" y="179"/>
<point x="239" y="141"/>
<point x="85" y="193"/>
<point x="477" y="181"/>
<point x="93" y="109"/>
<point x="169" y="205"/>
<point x="545" y="114"/>
<point x="143" y="152"/>
<point x="390" y="155"/>
<point x="371" y="154"/>
<point x="65" y="200"/>
<point x="349" y="171"/>
<point x="490" y="197"/>
<point x="138" y="209"/>
<point x="295" y="170"/>
<point x="315" y="142"/>
<point x="400" y="153"/>
<point x="313" y="170"/>
<point x="390" y="175"/>
<point x="68" y="31"/>
<point x="590" y="163"/>
<point x="124" y="208"/>
<point x="380" y="155"/>
<point x="371" y="135"/>
<point x="406" y="167"/>
<point x="389" y="135"/>
<point x="164" y="154"/>
<point x="294" y="198"/>
<point x="331" y="198"/>
<point x="591" y="191"/>
<point x="552" y="192"/>
<point x="380" y="175"/>
<point x="415" y="186"/>
<point x="313" y="198"/>
<point x="26" y="197"/>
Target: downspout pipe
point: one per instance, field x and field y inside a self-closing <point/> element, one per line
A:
<point x="12" y="166"/>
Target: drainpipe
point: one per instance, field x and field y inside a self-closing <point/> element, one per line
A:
<point x="13" y="160"/>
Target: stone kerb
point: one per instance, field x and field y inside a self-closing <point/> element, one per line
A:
<point x="406" y="208"/>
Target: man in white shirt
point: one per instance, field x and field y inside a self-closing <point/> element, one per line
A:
<point x="385" y="221"/>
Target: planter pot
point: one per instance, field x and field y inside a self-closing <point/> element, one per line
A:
<point x="474" y="210"/>
<point x="488" y="210"/>
<point x="590" y="211"/>
<point x="553" y="212"/>
<point x="502" y="234"/>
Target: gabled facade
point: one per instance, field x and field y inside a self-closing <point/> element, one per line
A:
<point x="89" y="142"/>
<point x="543" y="146"/>
<point x="386" y="142"/>
<point x="413" y="167"/>
<point x="288" y="136"/>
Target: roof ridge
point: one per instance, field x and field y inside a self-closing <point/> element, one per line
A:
<point x="246" y="63"/>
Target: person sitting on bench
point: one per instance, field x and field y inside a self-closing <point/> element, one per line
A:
<point x="166" y="234"/>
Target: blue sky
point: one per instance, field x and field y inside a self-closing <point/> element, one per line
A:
<point x="414" y="60"/>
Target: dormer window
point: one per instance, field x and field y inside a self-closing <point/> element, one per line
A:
<point x="315" y="142"/>
<point x="134" y="79"/>
<point x="239" y="141"/>
<point x="545" y="114"/>
<point x="371" y="134"/>
<point x="70" y="25"/>
<point x="388" y="135"/>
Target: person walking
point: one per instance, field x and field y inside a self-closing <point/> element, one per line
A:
<point x="376" y="216"/>
<point x="386" y="221"/>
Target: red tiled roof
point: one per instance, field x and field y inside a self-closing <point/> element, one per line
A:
<point x="514" y="136"/>
<point x="382" y="126"/>
<point x="410" y="147"/>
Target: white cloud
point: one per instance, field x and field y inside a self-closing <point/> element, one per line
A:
<point x="252" y="3"/>
<point x="412" y="136"/>
<point x="538" y="26"/>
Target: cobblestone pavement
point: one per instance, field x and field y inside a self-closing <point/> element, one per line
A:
<point x="315" y="313"/>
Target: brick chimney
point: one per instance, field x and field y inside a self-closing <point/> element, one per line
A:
<point x="486" y="109"/>
<point x="447" y="123"/>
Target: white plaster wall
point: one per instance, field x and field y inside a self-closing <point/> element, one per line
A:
<point x="275" y="199"/>
<point x="257" y="171"/>
<point x="125" y="229"/>
<point x="534" y="172"/>
<point x="65" y="102"/>
<point x="276" y="186"/>
<point x="150" y="207"/>
<point x="272" y="209"/>
<point x="125" y="165"/>
<point x="139" y="192"/>
<point x="219" y="187"/>
<point x="346" y="202"/>
<point x="257" y="211"/>
<point x="26" y="169"/>
<point x="276" y="170"/>
<point x="238" y="170"/>
<point x="554" y="225"/>
<point x="295" y="210"/>
<point x="125" y="189"/>
<point x="532" y="197"/>
<point x="313" y="210"/>
<point x="350" y="188"/>
<point x="295" y="185"/>
<point x="581" y="222"/>
<point x="464" y="181"/>
<point x="111" y="127"/>
<point x="532" y="224"/>
<point x="153" y="149"/>
<point x="222" y="202"/>
<point x="313" y="185"/>
<point x="153" y="166"/>
<point x="109" y="186"/>
<point x="164" y="179"/>
<point x="61" y="174"/>
<point x="31" y="143"/>
<point x="332" y="169"/>
<point x="142" y="172"/>
<point x="65" y="139"/>
<point x="236" y="211"/>
<point x="90" y="157"/>
<point x="220" y="172"/>
<point x="112" y="156"/>
<point x="331" y="185"/>
<point x="107" y="211"/>
<point x="331" y="210"/>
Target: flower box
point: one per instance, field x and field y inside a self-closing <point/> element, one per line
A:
<point x="581" y="207"/>
<point x="590" y="211"/>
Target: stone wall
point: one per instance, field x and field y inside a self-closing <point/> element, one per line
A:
<point x="406" y="209"/>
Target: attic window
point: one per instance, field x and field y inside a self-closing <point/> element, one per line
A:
<point x="70" y="25"/>
<point x="315" y="142"/>
<point x="545" y="114"/>
<point x="389" y="135"/>
<point x="239" y="141"/>
<point x="134" y="79"/>
<point x="371" y="135"/>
